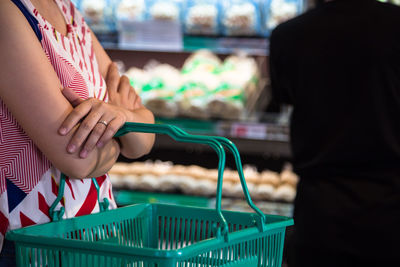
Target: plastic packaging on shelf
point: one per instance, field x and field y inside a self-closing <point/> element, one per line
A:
<point x="132" y="10"/>
<point x="278" y="11"/>
<point x="99" y="14"/>
<point x="227" y="102"/>
<point x="199" y="79"/>
<point x="164" y="10"/>
<point x="241" y="71"/>
<point x="154" y="25"/>
<point x="204" y="87"/>
<point x="138" y="78"/>
<point x="201" y="61"/>
<point x="241" y="17"/>
<point x="202" y="17"/>
<point x="238" y="81"/>
<point x="158" y="85"/>
<point x="192" y="99"/>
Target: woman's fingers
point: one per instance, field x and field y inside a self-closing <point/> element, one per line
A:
<point x="72" y="97"/>
<point x="110" y="131"/>
<point x="98" y="122"/>
<point x="124" y="86"/>
<point x="98" y="131"/>
<point x="120" y="97"/>
<point x="89" y="126"/>
<point x="76" y="115"/>
<point x="132" y="95"/>
<point x="136" y="100"/>
<point x="120" y="91"/>
<point x="112" y="79"/>
<point x="133" y="100"/>
<point x="101" y="134"/>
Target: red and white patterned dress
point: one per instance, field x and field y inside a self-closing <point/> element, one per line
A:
<point x="28" y="180"/>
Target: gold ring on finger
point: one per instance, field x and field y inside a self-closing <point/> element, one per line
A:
<point x="103" y="122"/>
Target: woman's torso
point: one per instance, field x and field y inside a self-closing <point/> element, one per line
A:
<point x="28" y="180"/>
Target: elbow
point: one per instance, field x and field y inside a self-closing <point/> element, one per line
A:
<point x="147" y="149"/>
<point x="148" y="144"/>
<point x="96" y="164"/>
<point x="77" y="170"/>
<point x="75" y="167"/>
<point x="141" y="150"/>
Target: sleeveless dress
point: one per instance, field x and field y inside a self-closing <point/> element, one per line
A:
<point x="28" y="180"/>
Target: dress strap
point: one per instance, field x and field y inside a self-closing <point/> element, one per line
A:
<point x="29" y="17"/>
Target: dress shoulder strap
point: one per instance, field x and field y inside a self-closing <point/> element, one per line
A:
<point x="29" y="17"/>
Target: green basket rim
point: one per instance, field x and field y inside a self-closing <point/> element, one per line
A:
<point x="22" y="236"/>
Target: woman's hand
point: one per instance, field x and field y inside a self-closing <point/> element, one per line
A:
<point x="99" y="121"/>
<point x="132" y="145"/>
<point x="120" y="91"/>
<point x="122" y="94"/>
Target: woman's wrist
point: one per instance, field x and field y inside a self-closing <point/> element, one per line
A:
<point x="136" y="144"/>
<point x="123" y="141"/>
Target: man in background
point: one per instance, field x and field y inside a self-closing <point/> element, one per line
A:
<point x="338" y="65"/>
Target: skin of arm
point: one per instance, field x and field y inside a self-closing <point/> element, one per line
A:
<point x="133" y="145"/>
<point x="31" y="90"/>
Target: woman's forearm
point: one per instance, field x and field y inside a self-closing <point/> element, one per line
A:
<point x="96" y="164"/>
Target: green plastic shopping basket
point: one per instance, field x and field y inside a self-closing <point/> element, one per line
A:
<point x="157" y="234"/>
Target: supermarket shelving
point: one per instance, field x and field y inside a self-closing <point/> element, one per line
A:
<point x="253" y="46"/>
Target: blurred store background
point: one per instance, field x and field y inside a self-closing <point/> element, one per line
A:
<point x="202" y="65"/>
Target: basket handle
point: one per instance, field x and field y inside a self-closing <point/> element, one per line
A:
<point x="56" y="215"/>
<point x="232" y="147"/>
<point x="179" y="135"/>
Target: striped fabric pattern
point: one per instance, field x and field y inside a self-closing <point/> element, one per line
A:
<point x="28" y="181"/>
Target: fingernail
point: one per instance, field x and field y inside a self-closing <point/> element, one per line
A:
<point x="63" y="130"/>
<point x="83" y="153"/>
<point x="99" y="144"/>
<point x="71" y="148"/>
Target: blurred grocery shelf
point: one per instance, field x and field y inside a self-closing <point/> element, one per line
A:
<point x="255" y="46"/>
<point x="270" y="137"/>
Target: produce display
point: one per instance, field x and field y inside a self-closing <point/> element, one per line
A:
<point x="205" y="86"/>
<point x="195" y="180"/>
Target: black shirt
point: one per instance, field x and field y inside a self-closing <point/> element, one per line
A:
<point x="339" y="66"/>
